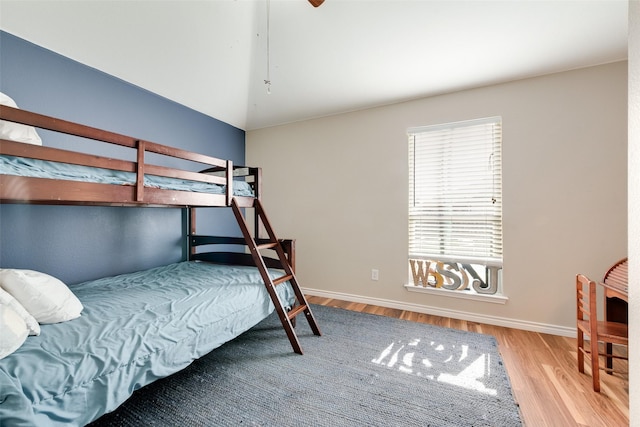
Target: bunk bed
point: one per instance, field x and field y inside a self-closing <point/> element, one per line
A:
<point x="138" y="327"/>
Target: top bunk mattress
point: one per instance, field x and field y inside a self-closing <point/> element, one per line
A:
<point x="36" y="168"/>
<point x="134" y="329"/>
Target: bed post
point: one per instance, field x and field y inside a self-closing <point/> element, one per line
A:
<point x="191" y="231"/>
<point x="289" y="247"/>
<point x="229" y="182"/>
<point x="257" y="189"/>
<point x="140" y="146"/>
<point x="258" y="183"/>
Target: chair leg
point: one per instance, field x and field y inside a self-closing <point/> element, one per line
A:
<point x="609" y="360"/>
<point x="580" y="352"/>
<point x="595" y="364"/>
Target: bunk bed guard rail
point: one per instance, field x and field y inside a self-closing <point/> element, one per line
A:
<point x="217" y="171"/>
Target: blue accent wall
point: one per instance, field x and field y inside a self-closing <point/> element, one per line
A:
<point x="78" y="243"/>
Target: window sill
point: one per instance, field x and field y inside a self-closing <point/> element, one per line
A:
<point x="495" y="299"/>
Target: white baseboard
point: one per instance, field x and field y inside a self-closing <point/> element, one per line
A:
<point x="454" y="314"/>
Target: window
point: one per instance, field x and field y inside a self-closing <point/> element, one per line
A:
<point x="455" y="206"/>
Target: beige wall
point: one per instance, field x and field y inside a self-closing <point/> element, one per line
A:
<point x="338" y="185"/>
<point x="634" y="212"/>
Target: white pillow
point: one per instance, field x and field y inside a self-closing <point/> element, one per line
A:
<point x="13" y="330"/>
<point x="16" y="131"/>
<point x="44" y="297"/>
<point x="7" y="299"/>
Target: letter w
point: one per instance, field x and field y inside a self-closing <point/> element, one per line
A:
<point x="420" y="272"/>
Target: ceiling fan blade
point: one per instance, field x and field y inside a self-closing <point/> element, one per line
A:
<point x="316" y="3"/>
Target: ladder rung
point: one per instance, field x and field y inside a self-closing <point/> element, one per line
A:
<point x="267" y="245"/>
<point x="282" y="279"/>
<point x="296" y="310"/>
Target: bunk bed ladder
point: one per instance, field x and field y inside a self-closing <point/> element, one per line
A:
<point x="301" y="305"/>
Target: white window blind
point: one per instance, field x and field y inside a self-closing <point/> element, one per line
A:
<point x="455" y="192"/>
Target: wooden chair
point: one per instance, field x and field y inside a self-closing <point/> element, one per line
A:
<point x="597" y="330"/>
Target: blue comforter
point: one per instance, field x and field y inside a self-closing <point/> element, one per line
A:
<point x="134" y="329"/>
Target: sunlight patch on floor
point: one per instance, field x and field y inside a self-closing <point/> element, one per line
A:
<point x="454" y="364"/>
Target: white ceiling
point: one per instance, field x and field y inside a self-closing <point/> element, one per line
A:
<point x="211" y="55"/>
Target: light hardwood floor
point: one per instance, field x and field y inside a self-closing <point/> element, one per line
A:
<point x="543" y="372"/>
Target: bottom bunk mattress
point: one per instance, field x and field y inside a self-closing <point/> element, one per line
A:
<point x="134" y="329"/>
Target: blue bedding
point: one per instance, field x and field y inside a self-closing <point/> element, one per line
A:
<point x="134" y="329"/>
<point x="20" y="166"/>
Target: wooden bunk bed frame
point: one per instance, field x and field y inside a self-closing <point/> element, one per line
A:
<point x="23" y="189"/>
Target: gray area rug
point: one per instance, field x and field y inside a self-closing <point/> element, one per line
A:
<point x="365" y="370"/>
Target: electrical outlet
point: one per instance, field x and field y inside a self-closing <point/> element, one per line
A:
<point x="374" y="274"/>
